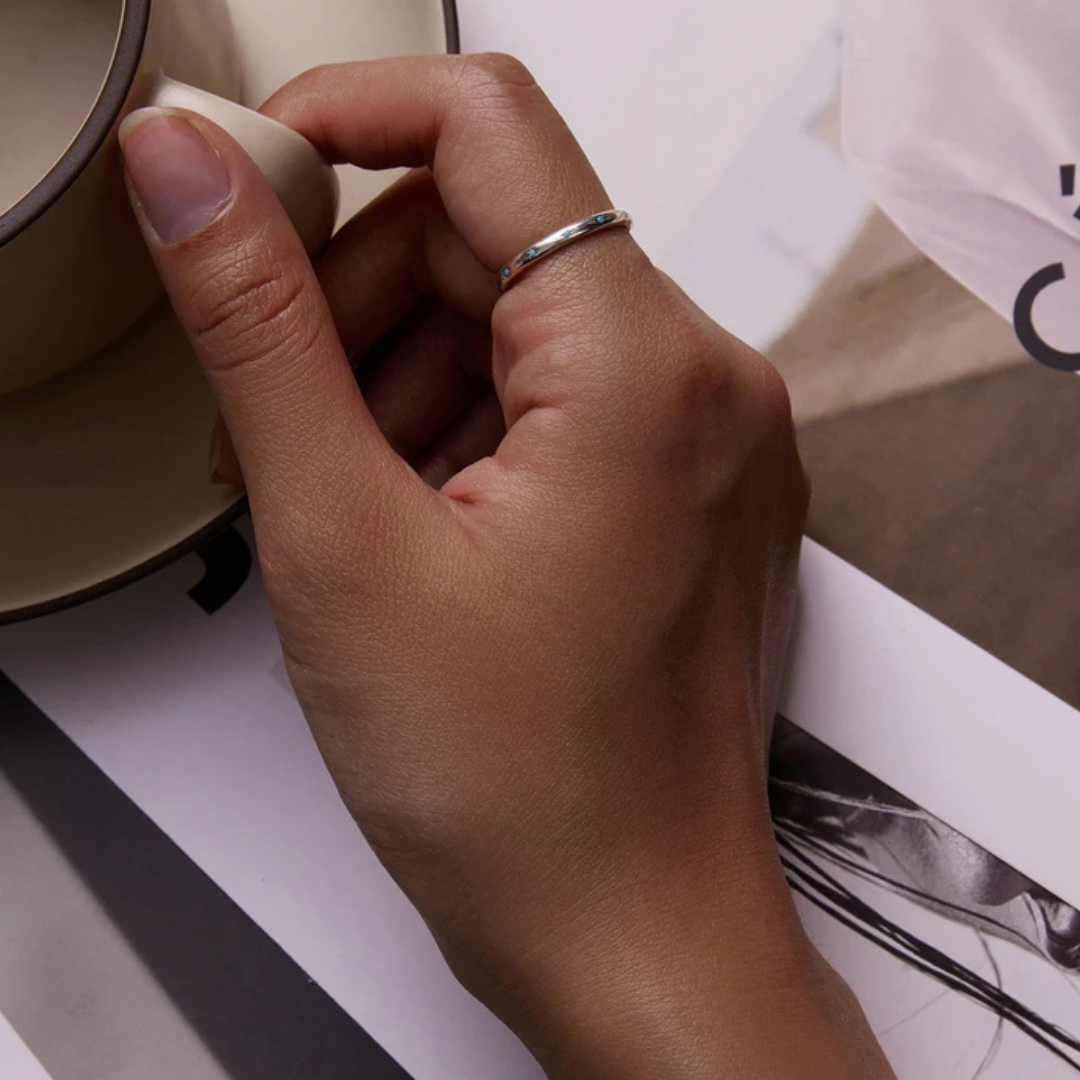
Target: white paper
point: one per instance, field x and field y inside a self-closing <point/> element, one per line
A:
<point x="15" y="1059"/>
<point x="935" y="717"/>
<point x="784" y="211"/>
<point x="662" y="96"/>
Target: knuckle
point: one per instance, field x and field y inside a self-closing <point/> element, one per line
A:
<point x="248" y="308"/>
<point x="804" y="490"/>
<point x="770" y="425"/>
<point x="717" y="375"/>
<point x="723" y="403"/>
<point x="721" y="376"/>
<point x="773" y="438"/>
<point x="496" y="70"/>
<point x="772" y="399"/>
<point x="494" y="82"/>
<point x="309" y="81"/>
<point x="702" y="376"/>
<point x="704" y="380"/>
<point x="318" y="76"/>
<point x="689" y="410"/>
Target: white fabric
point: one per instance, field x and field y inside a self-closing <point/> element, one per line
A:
<point x="959" y="114"/>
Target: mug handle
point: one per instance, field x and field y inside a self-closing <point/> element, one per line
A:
<point x="300" y="176"/>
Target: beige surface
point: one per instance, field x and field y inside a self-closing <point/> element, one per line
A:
<point x="941" y="455"/>
<point x="54" y="56"/>
<point x="964" y="500"/>
<point x="887" y="322"/>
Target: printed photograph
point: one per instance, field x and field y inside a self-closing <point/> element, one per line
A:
<point x="965" y="967"/>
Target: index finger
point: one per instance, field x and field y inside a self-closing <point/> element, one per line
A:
<point x="508" y="171"/>
<point x="506" y="165"/>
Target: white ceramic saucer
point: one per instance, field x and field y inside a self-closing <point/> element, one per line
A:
<point x="103" y="471"/>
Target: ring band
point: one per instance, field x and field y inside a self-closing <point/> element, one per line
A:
<point x="609" y="219"/>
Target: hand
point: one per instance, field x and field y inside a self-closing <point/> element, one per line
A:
<point x="533" y="582"/>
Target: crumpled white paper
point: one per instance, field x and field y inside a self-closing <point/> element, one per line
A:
<point x="960" y="114"/>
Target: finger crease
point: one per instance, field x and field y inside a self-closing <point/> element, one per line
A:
<point x="247" y="300"/>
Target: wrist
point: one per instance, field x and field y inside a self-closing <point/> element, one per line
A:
<point x="699" y="980"/>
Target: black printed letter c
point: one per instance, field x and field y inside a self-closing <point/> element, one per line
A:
<point x="1025" y="325"/>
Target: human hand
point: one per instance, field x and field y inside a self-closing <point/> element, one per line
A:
<point x="533" y="583"/>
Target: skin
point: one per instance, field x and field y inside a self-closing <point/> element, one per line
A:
<point x="533" y="572"/>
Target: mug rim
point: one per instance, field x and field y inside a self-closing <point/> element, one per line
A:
<point x="134" y="23"/>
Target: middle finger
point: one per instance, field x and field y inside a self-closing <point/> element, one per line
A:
<point x="393" y="255"/>
<point x="432" y="371"/>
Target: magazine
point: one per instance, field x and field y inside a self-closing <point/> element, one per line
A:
<point x="181" y="881"/>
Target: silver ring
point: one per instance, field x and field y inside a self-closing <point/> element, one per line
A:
<point x="609" y="219"/>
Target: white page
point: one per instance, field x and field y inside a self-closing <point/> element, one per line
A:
<point x="935" y="717"/>
<point x="662" y="96"/>
<point x="15" y="1059"/>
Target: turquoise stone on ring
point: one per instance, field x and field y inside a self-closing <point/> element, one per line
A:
<point x="556" y="240"/>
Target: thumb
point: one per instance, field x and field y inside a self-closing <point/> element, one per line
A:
<point x="246" y="293"/>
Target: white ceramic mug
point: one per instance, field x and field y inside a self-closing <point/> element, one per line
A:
<point x="74" y="272"/>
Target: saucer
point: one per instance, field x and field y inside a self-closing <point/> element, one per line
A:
<point x="104" y="470"/>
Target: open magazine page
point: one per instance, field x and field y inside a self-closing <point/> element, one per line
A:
<point x="939" y="451"/>
<point x="182" y="884"/>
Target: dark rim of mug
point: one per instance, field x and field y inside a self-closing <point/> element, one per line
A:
<point x="134" y="21"/>
<point x="227" y="517"/>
